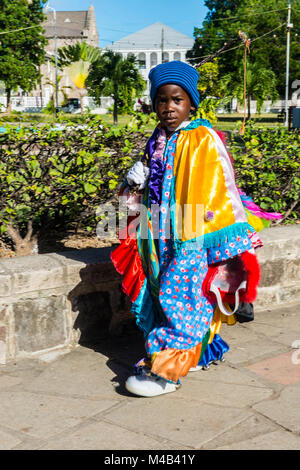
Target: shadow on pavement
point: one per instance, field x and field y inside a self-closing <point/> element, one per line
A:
<point x="122" y="351"/>
<point x="102" y="316"/>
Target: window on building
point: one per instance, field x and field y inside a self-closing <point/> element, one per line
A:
<point x="153" y="59"/>
<point x="177" y="56"/>
<point x="142" y="60"/>
<point x="165" y="57"/>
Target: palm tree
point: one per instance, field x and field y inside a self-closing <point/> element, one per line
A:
<point x="260" y="85"/>
<point x="61" y="89"/>
<point x="112" y="75"/>
<point x="77" y="59"/>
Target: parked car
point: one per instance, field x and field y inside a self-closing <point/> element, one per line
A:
<point x="33" y="109"/>
<point x="72" y="106"/>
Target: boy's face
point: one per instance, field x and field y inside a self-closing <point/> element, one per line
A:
<point x="172" y="105"/>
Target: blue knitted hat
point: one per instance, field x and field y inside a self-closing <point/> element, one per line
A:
<point x="177" y="73"/>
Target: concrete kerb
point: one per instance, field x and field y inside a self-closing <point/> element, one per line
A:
<point x="48" y="302"/>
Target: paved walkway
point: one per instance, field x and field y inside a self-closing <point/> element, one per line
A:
<point x="77" y="401"/>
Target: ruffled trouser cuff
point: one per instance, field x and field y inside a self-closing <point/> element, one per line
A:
<point x="214" y="351"/>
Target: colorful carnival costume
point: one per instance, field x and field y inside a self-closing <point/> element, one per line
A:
<point x="169" y="261"/>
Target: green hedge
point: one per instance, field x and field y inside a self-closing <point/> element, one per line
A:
<point x="267" y="164"/>
<point x="56" y="178"/>
<point x="44" y="118"/>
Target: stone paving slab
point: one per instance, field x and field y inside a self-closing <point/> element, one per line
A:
<point x="250" y="351"/>
<point x="95" y="435"/>
<point x="283" y="410"/>
<point x="281" y="325"/>
<point x="276" y="440"/>
<point x="6" y="381"/>
<point x="45" y="415"/>
<point x="226" y="394"/>
<point x="91" y="377"/>
<point x="7" y="441"/>
<point x="183" y="421"/>
<point x="252" y="427"/>
<point x="78" y="400"/>
<point x="281" y="369"/>
<point x="225" y="373"/>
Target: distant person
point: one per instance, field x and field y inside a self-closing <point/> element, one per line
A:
<point x="138" y="106"/>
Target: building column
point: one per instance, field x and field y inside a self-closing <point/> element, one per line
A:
<point x="147" y="60"/>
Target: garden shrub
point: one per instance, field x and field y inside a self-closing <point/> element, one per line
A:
<point x="53" y="179"/>
<point x="267" y="164"/>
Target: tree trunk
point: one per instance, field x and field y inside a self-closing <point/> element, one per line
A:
<point x="41" y="88"/>
<point x="115" y="98"/>
<point x="41" y="95"/>
<point x="8" y="97"/>
<point x="23" y="246"/>
<point x="249" y="107"/>
<point x="82" y="94"/>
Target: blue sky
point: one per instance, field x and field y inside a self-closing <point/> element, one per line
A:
<point x="118" y="18"/>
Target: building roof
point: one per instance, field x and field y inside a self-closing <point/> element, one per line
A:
<point x="151" y="38"/>
<point x="68" y="24"/>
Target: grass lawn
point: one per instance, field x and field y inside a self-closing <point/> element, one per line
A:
<point x="122" y="119"/>
<point x="226" y="122"/>
<point x="233" y="121"/>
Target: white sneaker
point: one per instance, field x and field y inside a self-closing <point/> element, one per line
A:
<point x="195" y="369"/>
<point x="149" y="386"/>
<point x="206" y="367"/>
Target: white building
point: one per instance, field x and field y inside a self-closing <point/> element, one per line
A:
<point x="153" y="45"/>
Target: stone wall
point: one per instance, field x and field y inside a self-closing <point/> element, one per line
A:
<point x="280" y="266"/>
<point x="48" y="302"/>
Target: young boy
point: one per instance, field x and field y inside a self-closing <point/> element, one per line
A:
<point x="187" y="168"/>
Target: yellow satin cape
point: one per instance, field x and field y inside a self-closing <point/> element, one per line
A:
<point x="207" y="204"/>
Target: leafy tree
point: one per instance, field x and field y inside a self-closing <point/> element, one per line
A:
<point x="208" y="83"/>
<point x="210" y="90"/>
<point x="261" y="85"/>
<point x="256" y="18"/>
<point x="76" y="52"/>
<point x="111" y="75"/>
<point x="22" y="51"/>
<point x="77" y="60"/>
